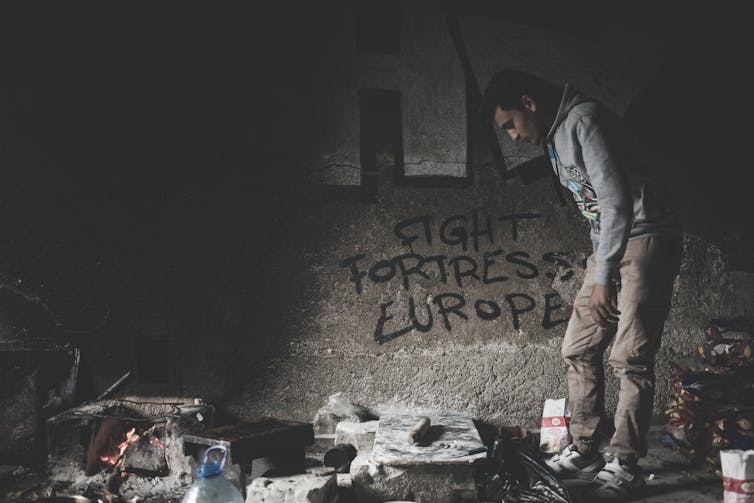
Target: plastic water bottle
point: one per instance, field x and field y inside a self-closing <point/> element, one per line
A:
<point x="212" y="487"/>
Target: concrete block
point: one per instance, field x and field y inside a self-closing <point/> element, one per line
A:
<point x="452" y="439"/>
<point x="374" y="483"/>
<point x="359" y="435"/>
<point x="439" y="469"/>
<point x="339" y="408"/>
<point x="304" y="488"/>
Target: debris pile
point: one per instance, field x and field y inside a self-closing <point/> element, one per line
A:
<point x="712" y="404"/>
<point x="516" y="472"/>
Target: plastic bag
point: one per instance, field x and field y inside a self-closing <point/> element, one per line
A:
<point x="520" y="475"/>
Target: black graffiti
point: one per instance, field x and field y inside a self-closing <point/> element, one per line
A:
<point x="488" y="262"/>
<point x="453" y="305"/>
<point x="425" y="220"/>
<point x="455" y="230"/>
<point x="459" y="271"/>
<point x="421" y="327"/>
<point x="492" y="267"/>
<point x="446" y="309"/>
<point x="493" y="313"/>
<point x="547" y="321"/>
<point x="378" y="277"/>
<point x="379" y="332"/>
<point x="517" y="308"/>
<point x="514" y="258"/>
<point x="406" y="272"/>
<point x="439" y="268"/>
<point x="356" y="275"/>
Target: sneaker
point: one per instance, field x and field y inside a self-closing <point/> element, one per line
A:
<point x="616" y="482"/>
<point x="571" y="463"/>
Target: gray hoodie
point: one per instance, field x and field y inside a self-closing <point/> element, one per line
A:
<point x="597" y="159"/>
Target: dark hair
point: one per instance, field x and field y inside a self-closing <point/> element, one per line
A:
<point x="506" y="88"/>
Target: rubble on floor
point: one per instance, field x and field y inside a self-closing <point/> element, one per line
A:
<point x="712" y="406"/>
<point x="314" y="487"/>
<point x="440" y="468"/>
<point x="360" y="435"/>
<point x="374" y="460"/>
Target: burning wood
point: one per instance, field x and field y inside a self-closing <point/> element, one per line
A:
<point x="106" y="439"/>
<point x="153" y="460"/>
<point x="117" y="452"/>
<point x="146" y="457"/>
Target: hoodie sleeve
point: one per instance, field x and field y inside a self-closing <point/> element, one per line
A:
<point x="603" y="166"/>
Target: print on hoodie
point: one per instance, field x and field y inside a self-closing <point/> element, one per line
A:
<point x="583" y="193"/>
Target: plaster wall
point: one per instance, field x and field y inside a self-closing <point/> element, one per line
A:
<point x="369" y="334"/>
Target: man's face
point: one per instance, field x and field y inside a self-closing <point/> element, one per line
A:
<point x="522" y="125"/>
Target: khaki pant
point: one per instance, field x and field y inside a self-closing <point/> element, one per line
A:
<point x="647" y="273"/>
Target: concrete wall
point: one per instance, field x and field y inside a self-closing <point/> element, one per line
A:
<point x="217" y="208"/>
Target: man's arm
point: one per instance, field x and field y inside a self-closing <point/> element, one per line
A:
<point x="607" y="175"/>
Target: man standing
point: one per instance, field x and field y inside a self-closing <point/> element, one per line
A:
<point x="625" y="297"/>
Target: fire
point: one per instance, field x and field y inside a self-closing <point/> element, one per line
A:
<point x="112" y="460"/>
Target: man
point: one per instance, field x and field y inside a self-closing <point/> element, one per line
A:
<point x="628" y="286"/>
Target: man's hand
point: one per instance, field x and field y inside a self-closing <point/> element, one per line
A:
<point x="603" y="305"/>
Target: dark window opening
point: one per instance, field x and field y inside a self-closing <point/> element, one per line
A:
<point x="381" y="137"/>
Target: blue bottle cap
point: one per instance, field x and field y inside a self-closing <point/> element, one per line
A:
<point x="210" y="468"/>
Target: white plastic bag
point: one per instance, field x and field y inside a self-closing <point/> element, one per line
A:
<point x="738" y="475"/>
<point x="554" y="434"/>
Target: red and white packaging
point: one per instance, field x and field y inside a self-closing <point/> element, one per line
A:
<point x="554" y="434"/>
<point x="738" y="475"/>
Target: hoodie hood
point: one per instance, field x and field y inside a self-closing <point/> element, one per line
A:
<point x="571" y="97"/>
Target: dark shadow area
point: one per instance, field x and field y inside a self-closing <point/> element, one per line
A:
<point x="380" y="136"/>
<point x="145" y="190"/>
<point x="584" y="21"/>
<point x="432" y="435"/>
<point x="692" y="115"/>
<point x="378" y="26"/>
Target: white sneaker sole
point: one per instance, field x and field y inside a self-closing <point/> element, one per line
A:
<point x="587" y="473"/>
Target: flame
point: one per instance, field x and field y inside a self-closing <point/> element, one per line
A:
<point x="112" y="460"/>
